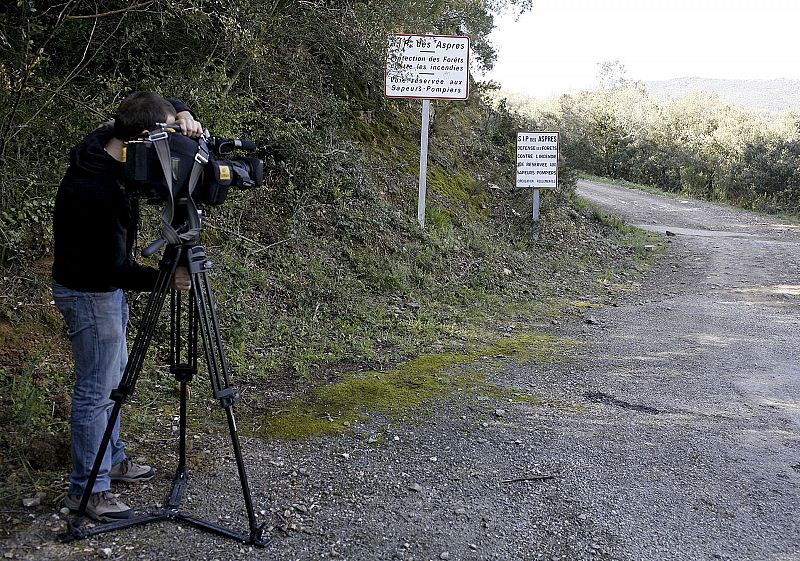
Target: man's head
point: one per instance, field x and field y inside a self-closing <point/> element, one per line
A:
<point x="141" y="111"/>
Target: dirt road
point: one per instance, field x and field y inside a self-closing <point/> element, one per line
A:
<point x="712" y="345"/>
<point x="672" y="433"/>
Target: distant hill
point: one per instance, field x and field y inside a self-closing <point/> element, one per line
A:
<point x="762" y="95"/>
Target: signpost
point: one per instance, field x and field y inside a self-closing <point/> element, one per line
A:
<point x="537" y="165"/>
<point x="427" y="67"/>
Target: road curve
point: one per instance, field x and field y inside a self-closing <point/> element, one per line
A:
<point x="711" y="345"/>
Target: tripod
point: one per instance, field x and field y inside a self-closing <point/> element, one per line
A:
<point x="202" y="320"/>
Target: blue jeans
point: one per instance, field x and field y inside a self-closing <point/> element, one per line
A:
<point x="97" y="328"/>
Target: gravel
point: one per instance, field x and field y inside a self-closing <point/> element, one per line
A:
<point x="673" y="433"/>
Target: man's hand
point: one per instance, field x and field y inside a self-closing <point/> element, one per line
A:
<point x="189" y="125"/>
<point x="181" y="280"/>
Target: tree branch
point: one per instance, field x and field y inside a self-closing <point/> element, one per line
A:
<point x="29" y="63"/>
<point x="135" y="7"/>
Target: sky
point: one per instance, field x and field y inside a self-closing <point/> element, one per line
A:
<point x="558" y="45"/>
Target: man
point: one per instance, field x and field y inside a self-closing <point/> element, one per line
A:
<point x="94" y="229"/>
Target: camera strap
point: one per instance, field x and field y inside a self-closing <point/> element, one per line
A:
<point x="160" y="140"/>
<point x="200" y="160"/>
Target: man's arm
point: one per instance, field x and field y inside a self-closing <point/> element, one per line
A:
<point x="186" y="119"/>
<point x="132" y="276"/>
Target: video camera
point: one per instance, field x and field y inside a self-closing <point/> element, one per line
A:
<point x="184" y="174"/>
<point x="198" y="168"/>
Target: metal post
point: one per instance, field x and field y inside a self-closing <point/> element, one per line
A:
<point x="423" y="161"/>
<point x="536" y="214"/>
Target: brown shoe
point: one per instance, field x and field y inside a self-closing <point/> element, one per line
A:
<point x="102" y="506"/>
<point x="128" y="471"/>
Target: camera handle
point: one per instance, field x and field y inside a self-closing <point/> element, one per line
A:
<point x="202" y="321"/>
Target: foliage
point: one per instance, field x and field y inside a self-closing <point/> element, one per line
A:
<point x="289" y="75"/>
<point x="696" y="145"/>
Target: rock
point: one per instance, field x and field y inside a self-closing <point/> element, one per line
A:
<point x="500" y="412"/>
<point x="667" y="232"/>
<point x="461" y="511"/>
<point x="591" y="320"/>
<point x="473" y="547"/>
<point x="444" y="555"/>
<point x="36" y="500"/>
<point x="416" y="487"/>
<point x="105" y="552"/>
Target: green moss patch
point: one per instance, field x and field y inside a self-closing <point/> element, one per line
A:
<point x="334" y="408"/>
<point x="538" y="348"/>
<point x="459" y="186"/>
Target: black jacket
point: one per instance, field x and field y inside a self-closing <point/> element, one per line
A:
<point x="95" y="222"/>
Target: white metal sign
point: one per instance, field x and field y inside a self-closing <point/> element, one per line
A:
<point x="537" y="160"/>
<point x="427" y="67"/>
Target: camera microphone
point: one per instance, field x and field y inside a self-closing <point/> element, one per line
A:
<point x="226" y="146"/>
<point x="247" y="145"/>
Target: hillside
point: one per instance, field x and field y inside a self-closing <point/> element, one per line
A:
<point x="761" y="95"/>
<point x="323" y="271"/>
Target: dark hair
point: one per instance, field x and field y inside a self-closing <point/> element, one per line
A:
<point x="140" y="111"/>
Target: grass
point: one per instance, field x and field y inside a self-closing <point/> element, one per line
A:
<point x="790" y="218"/>
<point x="383" y="332"/>
<point x="643" y="245"/>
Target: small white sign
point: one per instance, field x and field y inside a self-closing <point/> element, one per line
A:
<point x="537" y="160"/>
<point x="427" y="67"/>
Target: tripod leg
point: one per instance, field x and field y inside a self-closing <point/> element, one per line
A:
<point x="134" y="366"/>
<point x="218" y="368"/>
<point x="184" y="373"/>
